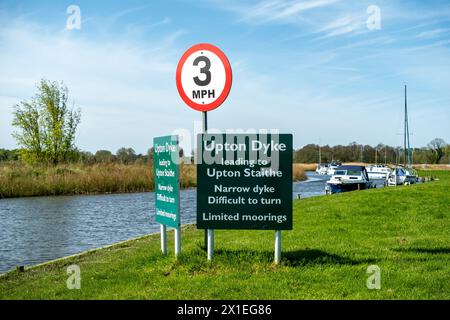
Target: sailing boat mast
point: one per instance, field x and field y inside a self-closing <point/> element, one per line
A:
<point x="320" y="154"/>
<point x="406" y="146"/>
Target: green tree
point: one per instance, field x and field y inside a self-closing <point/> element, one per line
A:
<point x="437" y="150"/>
<point x="104" y="156"/>
<point x="8" y="155"/>
<point x="46" y="125"/>
<point x="126" y="155"/>
<point x="151" y="153"/>
<point x="86" y="157"/>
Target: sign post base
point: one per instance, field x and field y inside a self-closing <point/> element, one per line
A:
<point x="277" y="246"/>
<point x="210" y="243"/>
<point x="177" y="241"/>
<point x="163" y="239"/>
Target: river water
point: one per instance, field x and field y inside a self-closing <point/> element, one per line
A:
<point x="38" y="229"/>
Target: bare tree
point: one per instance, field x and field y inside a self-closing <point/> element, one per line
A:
<point x="437" y="149"/>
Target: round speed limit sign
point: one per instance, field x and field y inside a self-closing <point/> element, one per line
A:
<point x="204" y="77"/>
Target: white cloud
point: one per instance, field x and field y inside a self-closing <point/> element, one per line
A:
<point x="273" y="10"/>
<point x="120" y="85"/>
<point x="432" y="33"/>
<point x="294" y="8"/>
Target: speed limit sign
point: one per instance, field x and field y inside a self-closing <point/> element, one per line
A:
<point x="204" y="77"/>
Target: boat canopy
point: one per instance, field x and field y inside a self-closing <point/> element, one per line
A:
<point x="353" y="168"/>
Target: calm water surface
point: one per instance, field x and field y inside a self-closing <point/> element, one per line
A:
<point x="35" y="230"/>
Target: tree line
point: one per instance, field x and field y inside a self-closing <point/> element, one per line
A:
<point x="437" y="151"/>
<point x="123" y="155"/>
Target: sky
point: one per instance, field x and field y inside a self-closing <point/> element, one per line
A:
<point x="313" y="68"/>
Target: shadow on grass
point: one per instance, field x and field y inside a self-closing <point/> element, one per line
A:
<point x="424" y="250"/>
<point x="295" y="258"/>
<point x="312" y="256"/>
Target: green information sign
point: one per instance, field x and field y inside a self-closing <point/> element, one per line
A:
<point x="244" y="181"/>
<point x="166" y="170"/>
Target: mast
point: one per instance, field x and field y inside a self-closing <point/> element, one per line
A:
<point x="320" y="155"/>
<point x="404" y="133"/>
<point x="406" y="146"/>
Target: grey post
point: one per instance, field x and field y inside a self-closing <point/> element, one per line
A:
<point x="277" y="246"/>
<point x="177" y="240"/>
<point x="163" y="239"/>
<point x="177" y="232"/>
<point x="209" y="233"/>
<point x="210" y="243"/>
<point x="204" y="130"/>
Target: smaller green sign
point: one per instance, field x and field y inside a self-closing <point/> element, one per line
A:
<point x="166" y="170"/>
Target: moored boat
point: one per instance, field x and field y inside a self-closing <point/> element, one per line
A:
<point x="322" y="168"/>
<point x="400" y="176"/>
<point x="378" y="171"/>
<point x="333" y="166"/>
<point x="404" y="174"/>
<point x="348" y="178"/>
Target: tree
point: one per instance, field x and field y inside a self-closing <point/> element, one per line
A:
<point x="103" y="156"/>
<point x="8" y="155"/>
<point x="126" y="155"/>
<point x="151" y="153"/>
<point x="46" y="125"/>
<point x="437" y="149"/>
<point x="86" y="157"/>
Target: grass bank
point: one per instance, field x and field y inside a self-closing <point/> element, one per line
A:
<point x="402" y="230"/>
<point x="20" y="180"/>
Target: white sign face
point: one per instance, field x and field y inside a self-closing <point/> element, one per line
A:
<point x="203" y="77"/>
<point x="197" y="78"/>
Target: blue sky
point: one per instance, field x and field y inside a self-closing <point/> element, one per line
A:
<point x="311" y="68"/>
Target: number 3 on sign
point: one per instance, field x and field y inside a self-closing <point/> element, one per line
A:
<point x="204" y="70"/>
<point x="204" y="77"/>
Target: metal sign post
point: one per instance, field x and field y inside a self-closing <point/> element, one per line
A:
<point x="203" y="80"/>
<point x="163" y="239"/>
<point x="177" y="240"/>
<point x="277" y="246"/>
<point x="209" y="233"/>
<point x="177" y="232"/>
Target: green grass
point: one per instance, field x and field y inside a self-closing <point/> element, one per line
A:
<point x="403" y="230"/>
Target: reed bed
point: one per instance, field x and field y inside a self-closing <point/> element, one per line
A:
<point x="298" y="172"/>
<point x="20" y="180"/>
<point x="306" y="166"/>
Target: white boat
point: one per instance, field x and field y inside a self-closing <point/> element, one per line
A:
<point x="322" y="168"/>
<point x="378" y="171"/>
<point x="400" y="176"/>
<point x="348" y="178"/>
<point x="332" y="167"/>
<point x="411" y="176"/>
<point x="404" y="174"/>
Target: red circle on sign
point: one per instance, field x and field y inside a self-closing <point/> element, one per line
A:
<point x="228" y="77"/>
